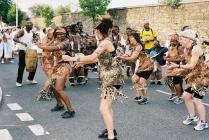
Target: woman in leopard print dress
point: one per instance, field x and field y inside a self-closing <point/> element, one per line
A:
<point x="110" y="74"/>
<point x="196" y="81"/>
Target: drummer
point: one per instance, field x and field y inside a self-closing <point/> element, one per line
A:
<point x="118" y="40"/>
<point x="81" y="32"/>
<point x="78" y="73"/>
<point x="88" y="46"/>
<point x="24" y="39"/>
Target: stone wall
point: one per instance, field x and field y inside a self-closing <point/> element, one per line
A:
<point x="165" y="19"/>
<point x="38" y="22"/>
<point x="162" y="18"/>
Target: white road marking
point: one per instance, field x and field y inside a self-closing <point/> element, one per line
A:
<point x="167" y="93"/>
<point x="38" y="130"/>
<point x="206" y="104"/>
<point x="24" y="117"/>
<point x="47" y="133"/>
<point x="7" y="95"/>
<point x="5" y="135"/>
<point x="163" y="92"/>
<point x="14" y="106"/>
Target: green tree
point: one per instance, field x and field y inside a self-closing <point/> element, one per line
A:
<point x="11" y="16"/>
<point x="48" y="14"/>
<point x="44" y="11"/>
<point x="4" y="8"/>
<point x="173" y="3"/>
<point x="36" y="10"/>
<point x="93" y="8"/>
<point x="62" y="9"/>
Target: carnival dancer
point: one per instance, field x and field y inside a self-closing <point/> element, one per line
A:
<point x="47" y="64"/>
<point x="196" y="81"/>
<point x="88" y="46"/>
<point x="8" y="45"/>
<point x="1" y="46"/>
<point x="61" y="70"/>
<point x="143" y="69"/>
<point x="118" y="40"/>
<point x="77" y="73"/>
<point x="129" y="51"/>
<point x="157" y="53"/>
<point x="24" y="38"/>
<point x="173" y="77"/>
<point x="110" y="74"/>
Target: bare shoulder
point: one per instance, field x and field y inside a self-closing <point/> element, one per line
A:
<point x="197" y="50"/>
<point x="106" y="45"/>
<point x="138" y="48"/>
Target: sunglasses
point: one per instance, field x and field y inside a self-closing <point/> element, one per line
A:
<point x="60" y="33"/>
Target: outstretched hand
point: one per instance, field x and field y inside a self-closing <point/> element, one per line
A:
<point x="120" y="57"/>
<point x="173" y="65"/>
<point x="68" y="58"/>
<point x="78" y="64"/>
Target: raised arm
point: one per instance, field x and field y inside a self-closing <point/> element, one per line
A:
<point x="90" y="58"/>
<point x="196" y="53"/>
<point x="50" y="46"/>
<point x="17" y="36"/>
<point x="134" y="55"/>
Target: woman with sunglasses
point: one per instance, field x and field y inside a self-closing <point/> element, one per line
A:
<point x="47" y="64"/>
<point x="61" y="70"/>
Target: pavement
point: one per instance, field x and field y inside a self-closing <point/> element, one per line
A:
<point x="24" y="118"/>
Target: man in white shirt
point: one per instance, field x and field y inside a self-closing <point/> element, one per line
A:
<point x="24" y="39"/>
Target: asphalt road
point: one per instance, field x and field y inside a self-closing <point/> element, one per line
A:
<point x="160" y="119"/>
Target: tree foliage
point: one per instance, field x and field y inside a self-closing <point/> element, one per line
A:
<point x="44" y="11"/>
<point x="173" y="3"/>
<point x="36" y="10"/>
<point x="11" y="15"/>
<point x="93" y="8"/>
<point x="48" y="14"/>
<point x="5" y="5"/>
<point x="62" y="9"/>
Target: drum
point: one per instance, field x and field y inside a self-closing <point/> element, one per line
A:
<point x="31" y="60"/>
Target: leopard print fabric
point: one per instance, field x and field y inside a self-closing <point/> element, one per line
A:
<point x="111" y="73"/>
<point x="146" y="63"/>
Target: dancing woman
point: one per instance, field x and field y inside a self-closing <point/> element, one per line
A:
<point x="61" y="70"/>
<point x="142" y="70"/>
<point x="196" y="81"/>
<point x="47" y="64"/>
<point x="110" y="74"/>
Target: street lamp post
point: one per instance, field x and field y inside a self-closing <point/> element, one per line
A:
<point x="16" y="13"/>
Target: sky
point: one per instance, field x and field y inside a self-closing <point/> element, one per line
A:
<point x="25" y="4"/>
